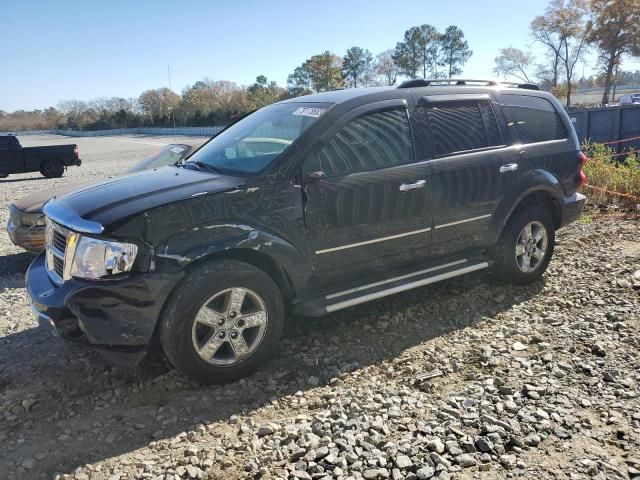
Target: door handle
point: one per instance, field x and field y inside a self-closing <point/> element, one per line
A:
<point x="509" y="167"/>
<point x="405" y="187"/>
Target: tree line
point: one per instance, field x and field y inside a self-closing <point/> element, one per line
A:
<point x="567" y="31"/>
<point x="422" y="51"/>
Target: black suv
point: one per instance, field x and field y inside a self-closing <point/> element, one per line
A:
<point x="310" y="205"/>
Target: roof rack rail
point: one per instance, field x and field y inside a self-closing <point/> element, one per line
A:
<point x="427" y="82"/>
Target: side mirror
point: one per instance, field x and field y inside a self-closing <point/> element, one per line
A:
<point x="313" y="177"/>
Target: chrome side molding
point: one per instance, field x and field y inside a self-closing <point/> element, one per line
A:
<point x="375" y="240"/>
<point x="458" y="222"/>
<point x="404" y="287"/>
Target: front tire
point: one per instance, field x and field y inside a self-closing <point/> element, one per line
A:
<point x="525" y="247"/>
<point x="52" y="168"/>
<point x="222" y="322"/>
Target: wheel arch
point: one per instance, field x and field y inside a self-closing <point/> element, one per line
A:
<point x="288" y="266"/>
<point x="49" y="157"/>
<point x="259" y="260"/>
<point x="538" y="188"/>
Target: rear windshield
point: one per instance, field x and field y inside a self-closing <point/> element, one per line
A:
<point x="250" y="145"/>
<point x="533" y="119"/>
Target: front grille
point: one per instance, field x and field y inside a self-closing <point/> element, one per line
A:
<point x="59" y="240"/>
<point x="58" y="266"/>
<point x="56" y="240"/>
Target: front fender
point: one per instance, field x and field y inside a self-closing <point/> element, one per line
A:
<point x="235" y="240"/>
<point x="536" y="180"/>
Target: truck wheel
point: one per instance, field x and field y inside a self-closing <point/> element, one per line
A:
<point x="525" y="247"/>
<point x="222" y="322"/>
<point x="52" y="168"/>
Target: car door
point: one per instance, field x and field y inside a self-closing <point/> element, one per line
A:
<point x="10" y="155"/>
<point x="543" y="139"/>
<point x="365" y="193"/>
<point x="470" y="169"/>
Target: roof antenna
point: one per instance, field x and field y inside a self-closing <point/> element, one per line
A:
<point x="173" y="117"/>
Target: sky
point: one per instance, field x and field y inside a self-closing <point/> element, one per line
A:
<point x="68" y="49"/>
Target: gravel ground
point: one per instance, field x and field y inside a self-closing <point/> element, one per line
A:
<point x="466" y="379"/>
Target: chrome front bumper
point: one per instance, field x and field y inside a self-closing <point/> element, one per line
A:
<point x="44" y="321"/>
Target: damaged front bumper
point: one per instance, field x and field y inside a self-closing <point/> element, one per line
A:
<point x="31" y="238"/>
<point x="117" y="315"/>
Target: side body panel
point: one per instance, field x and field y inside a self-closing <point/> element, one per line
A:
<point x="254" y="221"/>
<point x="467" y="189"/>
<point x="33" y="156"/>
<point x="361" y="222"/>
<point x="465" y="186"/>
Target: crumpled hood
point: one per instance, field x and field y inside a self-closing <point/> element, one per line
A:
<point x="117" y="198"/>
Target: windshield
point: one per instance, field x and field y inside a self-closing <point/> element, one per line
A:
<point x="168" y="155"/>
<point x="250" y="145"/>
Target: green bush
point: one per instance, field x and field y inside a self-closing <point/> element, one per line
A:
<point x="613" y="173"/>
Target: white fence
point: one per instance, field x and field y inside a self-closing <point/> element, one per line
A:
<point x="189" y="131"/>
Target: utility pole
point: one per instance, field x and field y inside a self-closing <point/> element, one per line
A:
<point x="173" y="116"/>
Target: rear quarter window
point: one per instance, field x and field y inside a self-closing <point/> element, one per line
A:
<point x="533" y="119"/>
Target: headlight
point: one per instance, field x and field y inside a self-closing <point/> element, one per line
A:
<point x="92" y="258"/>
<point x="33" y="219"/>
<point x="25" y="219"/>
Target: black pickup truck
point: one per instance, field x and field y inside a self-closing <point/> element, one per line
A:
<point x="50" y="161"/>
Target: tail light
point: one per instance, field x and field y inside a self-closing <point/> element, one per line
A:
<point x="76" y="152"/>
<point x="583" y="162"/>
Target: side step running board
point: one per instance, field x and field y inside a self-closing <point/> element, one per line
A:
<point x="333" y="302"/>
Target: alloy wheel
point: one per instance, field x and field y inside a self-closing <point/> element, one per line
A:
<point x="230" y="326"/>
<point x="531" y="247"/>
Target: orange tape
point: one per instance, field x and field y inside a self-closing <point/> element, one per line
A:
<point x="610" y="192"/>
<point x="623" y="216"/>
<point x="624" y="153"/>
<point x="619" y="141"/>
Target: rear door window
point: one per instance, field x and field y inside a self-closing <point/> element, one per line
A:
<point x="455" y="127"/>
<point x="534" y="119"/>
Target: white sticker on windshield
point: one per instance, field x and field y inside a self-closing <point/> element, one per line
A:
<point x="177" y="149"/>
<point x="309" y="111"/>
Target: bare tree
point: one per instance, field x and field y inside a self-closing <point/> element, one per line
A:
<point x="543" y="31"/>
<point x="386" y="67"/>
<point x="616" y="34"/>
<point x="514" y="62"/>
<point x="564" y="28"/>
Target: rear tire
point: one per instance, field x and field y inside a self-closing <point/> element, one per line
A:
<point x="222" y="322"/>
<point x="525" y="247"/>
<point x="52" y="168"/>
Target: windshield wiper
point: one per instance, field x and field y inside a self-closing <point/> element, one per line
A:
<point x="201" y="166"/>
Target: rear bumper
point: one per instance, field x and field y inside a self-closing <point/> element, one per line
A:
<point x="77" y="162"/>
<point x="119" y="315"/>
<point x="572" y="207"/>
